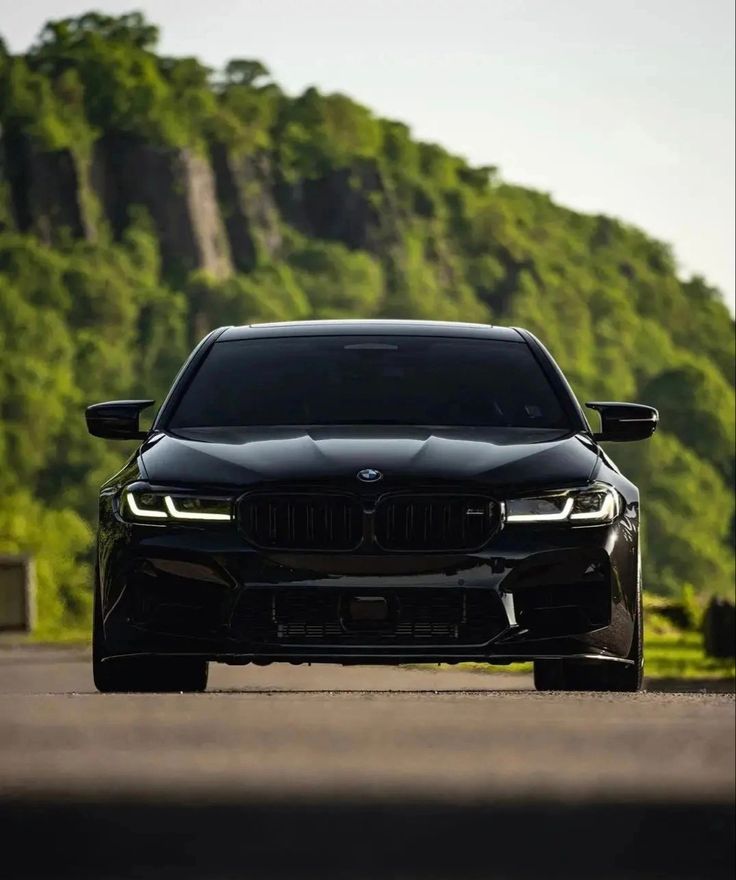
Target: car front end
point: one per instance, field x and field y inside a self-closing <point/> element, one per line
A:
<point x="346" y="571"/>
<point x="296" y="522"/>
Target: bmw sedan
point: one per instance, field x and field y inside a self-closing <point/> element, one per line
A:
<point x="369" y="492"/>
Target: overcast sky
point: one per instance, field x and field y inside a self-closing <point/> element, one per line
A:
<point x="623" y="107"/>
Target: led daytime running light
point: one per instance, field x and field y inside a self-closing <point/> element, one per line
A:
<point x="141" y="512"/>
<point x="185" y="514"/>
<point x="606" y="513"/>
<point x="542" y="517"/>
<point x="172" y="511"/>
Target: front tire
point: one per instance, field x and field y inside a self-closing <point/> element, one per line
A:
<point x="140" y="675"/>
<point x="597" y="675"/>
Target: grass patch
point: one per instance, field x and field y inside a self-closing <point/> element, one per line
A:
<point x="669" y="652"/>
<point x="509" y="669"/>
<point x="682" y="655"/>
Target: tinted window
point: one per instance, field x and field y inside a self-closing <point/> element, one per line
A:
<point x="331" y="380"/>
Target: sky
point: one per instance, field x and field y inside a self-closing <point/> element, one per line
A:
<point x="622" y="108"/>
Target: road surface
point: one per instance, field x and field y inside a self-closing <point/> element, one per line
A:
<point x="362" y="772"/>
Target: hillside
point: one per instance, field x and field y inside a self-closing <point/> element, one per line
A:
<point x="145" y="200"/>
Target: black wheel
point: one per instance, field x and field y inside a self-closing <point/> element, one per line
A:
<point x="594" y="675"/>
<point x="548" y="675"/>
<point x="142" y="674"/>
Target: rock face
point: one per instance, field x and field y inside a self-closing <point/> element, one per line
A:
<point x="177" y="188"/>
<point x="7" y="217"/>
<point x="347" y="205"/>
<point x="215" y="214"/>
<point x="47" y="190"/>
<point x="245" y="193"/>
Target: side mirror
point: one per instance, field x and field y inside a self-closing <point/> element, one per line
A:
<point x="116" y="419"/>
<point x="625" y="421"/>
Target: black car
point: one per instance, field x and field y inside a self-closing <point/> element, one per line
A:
<point x="369" y="492"/>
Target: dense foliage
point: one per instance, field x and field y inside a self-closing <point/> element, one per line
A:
<point x="322" y="210"/>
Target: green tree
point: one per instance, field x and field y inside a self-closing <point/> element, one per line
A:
<point x="697" y="405"/>
<point x="337" y="282"/>
<point x="245" y="72"/>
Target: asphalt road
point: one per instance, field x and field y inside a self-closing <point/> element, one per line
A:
<point x="362" y="772"/>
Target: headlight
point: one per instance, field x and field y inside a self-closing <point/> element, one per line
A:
<point x="597" y="504"/>
<point x="157" y="506"/>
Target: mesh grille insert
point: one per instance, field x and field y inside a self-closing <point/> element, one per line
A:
<point x="302" y="521"/>
<point x="435" y="522"/>
<point x="414" y="616"/>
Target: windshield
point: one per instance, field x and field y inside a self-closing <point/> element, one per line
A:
<point x="372" y="380"/>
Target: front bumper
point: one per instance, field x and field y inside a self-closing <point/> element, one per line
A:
<point x="533" y="592"/>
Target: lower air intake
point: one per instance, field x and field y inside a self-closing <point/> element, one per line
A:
<point x="400" y="617"/>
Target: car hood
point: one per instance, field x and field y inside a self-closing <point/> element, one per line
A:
<point x="493" y="457"/>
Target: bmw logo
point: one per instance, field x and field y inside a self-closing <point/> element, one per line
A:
<point x="369" y="475"/>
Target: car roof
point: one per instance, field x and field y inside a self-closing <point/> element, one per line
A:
<point x="382" y="327"/>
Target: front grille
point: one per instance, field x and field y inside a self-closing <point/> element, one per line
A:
<point x="435" y="522"/>
<point x="336" y="521"/>
<point x="301" y="521"/>
<point x="413" y="617"/>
